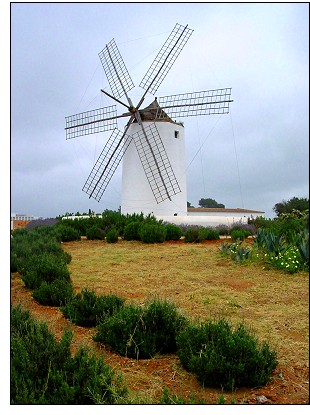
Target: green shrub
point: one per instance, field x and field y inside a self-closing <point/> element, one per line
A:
<point x="57" y="293"/>
<point x="294" y="221"/>
<point x="43" y="371"/>
<point x="141" y="332"/>
<point x="173" y="232"/>
<point x="87" y="309"/>
<point x="125" y="333"/>
<point x="20" y="232"/>
<point x="224" y="358"/>
<point x="112" y="236"/>
<point x="38" y="256"/>
<point x="132" y="231"/>
<point x="211" y="235"/>
<point x="94" y="233"/>
<point x="164" y="321"/>
<point x="79" y="225"/>
<point x="152" y="233"/>
<point x="67" y="257"/>
<point x="194" y="234"/>
<point x="46" y="267"/>
<point x="238" y="234"/>
<point x="66" y="233"/>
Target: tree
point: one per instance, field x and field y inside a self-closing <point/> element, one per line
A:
<point x="210" y="203"/>
<point x="189" y="205"/>
<point x="287" y="206"/>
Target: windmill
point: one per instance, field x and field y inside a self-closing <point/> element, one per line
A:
<point x="152" y="144"/>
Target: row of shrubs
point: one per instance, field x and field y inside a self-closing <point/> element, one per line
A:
<point x="227" y="358"/>
<point x="43" y="370"/>
<point x="39" y="258"/>
<point x="113" y="225"/>
<point x="217" y="354"/>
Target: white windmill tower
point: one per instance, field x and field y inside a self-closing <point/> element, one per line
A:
<point x="152" y="144"/>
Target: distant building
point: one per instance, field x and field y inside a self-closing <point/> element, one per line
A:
<point x="20" y="220"/>
<point x="214" y="216"/>
<point x="235" y="214"/>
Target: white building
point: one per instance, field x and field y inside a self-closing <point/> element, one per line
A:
<point x="213" y="216"/>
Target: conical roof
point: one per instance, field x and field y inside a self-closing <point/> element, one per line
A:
<point x="153" y="112"/>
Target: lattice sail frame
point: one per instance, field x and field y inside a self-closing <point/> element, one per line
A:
<point x="155" y="163"/>
<point x="214" y="101"/>
<point x="91" y="122"/>
<point x="115" y="69"/>
<point x="106" y="164"/>
<point x="165" y="58"/>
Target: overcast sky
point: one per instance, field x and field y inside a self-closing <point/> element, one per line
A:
<point x="252" y="158"/>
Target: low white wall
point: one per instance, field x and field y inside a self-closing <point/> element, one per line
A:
<point x="203" y="220"/>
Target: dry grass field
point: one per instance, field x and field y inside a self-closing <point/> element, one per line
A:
<point x="203" y="285"/>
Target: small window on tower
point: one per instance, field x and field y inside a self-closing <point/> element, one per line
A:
<point x="176" y="134"/>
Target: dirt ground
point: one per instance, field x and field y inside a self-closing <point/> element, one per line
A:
<point x="146" y="379"/>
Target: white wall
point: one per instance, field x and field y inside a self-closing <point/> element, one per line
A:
<point x="203" y="220"/>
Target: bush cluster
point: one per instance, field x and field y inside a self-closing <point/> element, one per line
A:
<point x="44" y="268"/>
<point x="142" y="331"/>
<point x="94" y="232"/>
<point x="112" y="236"/>
<point x="132" y="231"/>
<point x="193" y="234"/>
<point x="66" y="233"/>
<point x="173" y="232"/>
<point x="44" y="372"/>
<point x="38" y="257"/>
<point x="57" y="293"/>
<point x="86" y="309"/>
<point x="225" y="358"/>
<point x="199" y="234"/>
<point x="239" y="234"/>
<point x="141" y="228"/>
<point x="152" y="233"/>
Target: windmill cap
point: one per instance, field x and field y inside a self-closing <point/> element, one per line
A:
<point x="154" y="112"/>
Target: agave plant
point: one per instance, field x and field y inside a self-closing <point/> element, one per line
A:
<point x="269" y="241"/>
<point x="303" y="246"/>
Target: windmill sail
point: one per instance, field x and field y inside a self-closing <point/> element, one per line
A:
<point x="115" y="69"/>
<point x="156" y="163"/>
<point x="215" y="101"/>
<point x="166" y="58"/>
<point x="106" y="164"/>
<point x="91" y="122"/>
